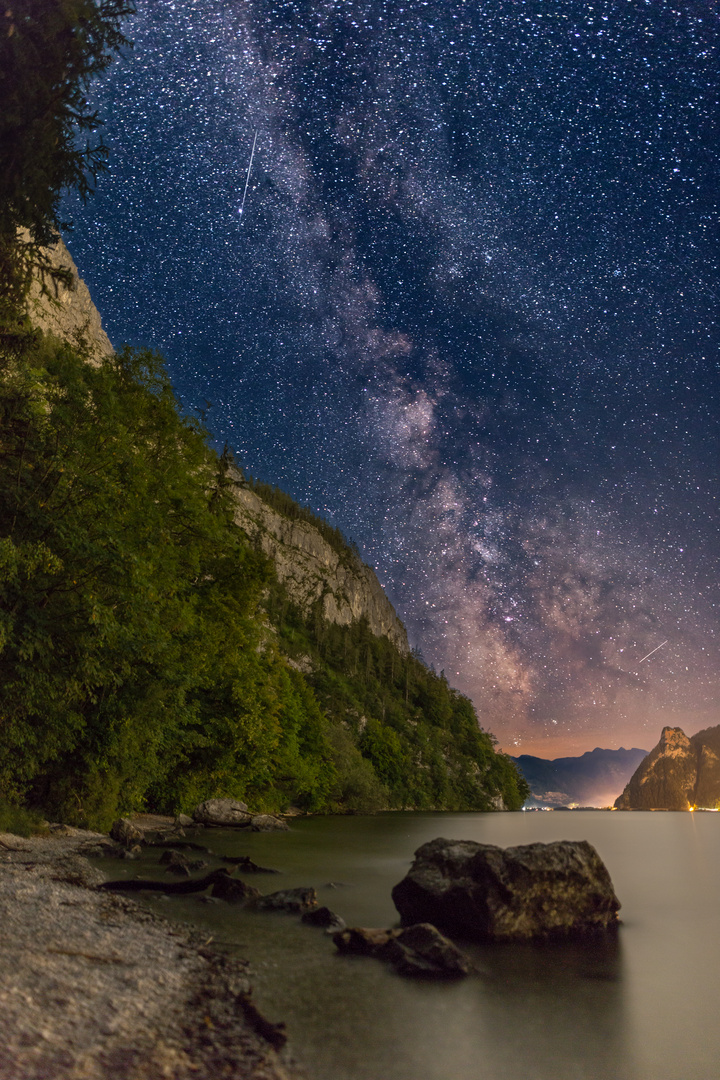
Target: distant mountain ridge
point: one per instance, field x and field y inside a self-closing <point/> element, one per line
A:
<point x="592" y="779"/>
<point x="678" y="774"/>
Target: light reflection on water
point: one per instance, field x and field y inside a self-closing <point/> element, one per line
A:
<point x="641" y="1007"/>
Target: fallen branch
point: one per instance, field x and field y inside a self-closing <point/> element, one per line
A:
<point x="138" y="884"/>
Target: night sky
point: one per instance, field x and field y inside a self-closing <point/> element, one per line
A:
<point x="469" y="314"/>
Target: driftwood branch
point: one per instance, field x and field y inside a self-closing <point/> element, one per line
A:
<point x="138" y="884"/>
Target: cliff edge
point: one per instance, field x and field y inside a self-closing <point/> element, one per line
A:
<point x="312" y="570"/>
<point x="680" y="773"/>
<point x="68" y="312"/>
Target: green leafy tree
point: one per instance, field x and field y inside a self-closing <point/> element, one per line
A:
<point x="134" y="667"/>
<point x="50" y="51"/>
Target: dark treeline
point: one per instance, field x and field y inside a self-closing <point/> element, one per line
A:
<point x="149" y="658"/>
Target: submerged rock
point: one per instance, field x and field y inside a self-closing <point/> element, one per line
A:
<point x="245" y="865"/>
<point x="323" y="916"/>
<point x="514" y="894"/>
<point x="222" y="812"/>
<point x="292" y="900"/>
<point x="235" y="891"/>
<point x="419" y="951"/>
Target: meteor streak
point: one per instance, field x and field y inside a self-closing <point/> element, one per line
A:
<point x="653" y="651"/>
<point x="247" y="178"/>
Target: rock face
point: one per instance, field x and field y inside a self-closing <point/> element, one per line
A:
<point x="678" y="774"/>
<point x="489" y="893"/>
<point x="312" y="570"/>
<point x="68" y="313"/>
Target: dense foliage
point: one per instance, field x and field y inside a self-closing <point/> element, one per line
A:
<point x="421" y="736"/>
<point x="138" y="662"/>
<point x="133" y="666"/>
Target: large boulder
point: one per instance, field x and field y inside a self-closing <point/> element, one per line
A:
<point x="222" y="812"/>
<point x="488" y="893"/>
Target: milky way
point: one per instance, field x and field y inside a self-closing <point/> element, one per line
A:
<point x="468" y="314"/>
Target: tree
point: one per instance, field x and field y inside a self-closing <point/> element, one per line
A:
<point x="50" y="51"/>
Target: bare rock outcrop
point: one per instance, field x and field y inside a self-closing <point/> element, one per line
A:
<point x="489" y="893"/>
<point x="313" y="571"/>
<point x="678" y="774"/>
<point x="68" y="313"/>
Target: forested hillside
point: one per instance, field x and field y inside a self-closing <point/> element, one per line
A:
<point x="149" y="657"/>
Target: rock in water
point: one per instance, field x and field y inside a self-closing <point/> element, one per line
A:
<point x="323" y="916"/>
<point x="420" y="950"/>
<point x="267" y="823"/>
<point x="124" y="832"/>
<point x="508" y="894"/>
<point x="235" y="891"/>
<point x="222" y="812"/>
<point x="293" y="900"/>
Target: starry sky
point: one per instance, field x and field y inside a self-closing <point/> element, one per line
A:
<point x="468" y="314"/>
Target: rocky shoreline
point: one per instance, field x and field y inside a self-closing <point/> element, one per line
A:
<point x="94" y="986"/>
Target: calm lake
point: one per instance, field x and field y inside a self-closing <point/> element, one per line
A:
<point x="640" y="1007"/>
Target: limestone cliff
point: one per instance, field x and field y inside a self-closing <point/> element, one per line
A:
<point x="313" y="571"/>
<point x="308" y="566"/>
<point x="68" y="313"/>
<point x="680" y="773"/>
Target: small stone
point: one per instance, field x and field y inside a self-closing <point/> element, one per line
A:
<point x="323" y="916"/>
<point x="182" y="821"/>
<point x="235" y="891"/>
<point x="293" y="900"/>
<point x="363" y="940"/>
<point x="124" y="832"/>
<point x="422" y="951"/>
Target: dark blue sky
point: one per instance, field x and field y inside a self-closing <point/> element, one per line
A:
<point x="469" y="314"/>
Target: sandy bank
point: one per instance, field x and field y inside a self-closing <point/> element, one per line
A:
<point x="93" y="986"/>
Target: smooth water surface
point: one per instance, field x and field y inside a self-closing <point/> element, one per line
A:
<point x="642" y="1006"/>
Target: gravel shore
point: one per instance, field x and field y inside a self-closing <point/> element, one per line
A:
<point x="93" y="986"/>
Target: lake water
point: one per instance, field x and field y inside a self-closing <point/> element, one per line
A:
<point x="642" y="1006"/>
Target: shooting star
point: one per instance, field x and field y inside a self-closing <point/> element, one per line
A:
<point x="653" y="651"/>
<point x="247" y="178"/>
